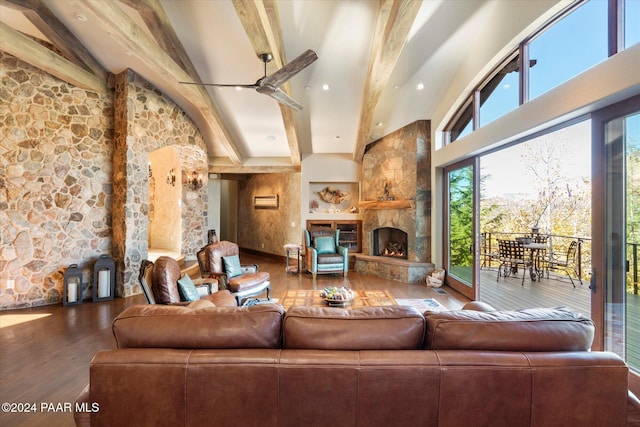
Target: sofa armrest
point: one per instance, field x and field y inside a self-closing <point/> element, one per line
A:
<point x="342" y="250"/>
<point x="633" y="410"/>
<point x="82" y="418"/>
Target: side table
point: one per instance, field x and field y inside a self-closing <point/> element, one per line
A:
<point x="293" y="254"/>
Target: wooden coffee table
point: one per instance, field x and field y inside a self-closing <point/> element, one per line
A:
<point x="312" y="298"/>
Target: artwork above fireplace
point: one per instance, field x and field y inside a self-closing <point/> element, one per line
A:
<point x="389" y="242"/>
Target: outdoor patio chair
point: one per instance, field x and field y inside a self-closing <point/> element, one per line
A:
<point x="565" y="261"/>
<point x="512" y="256"/>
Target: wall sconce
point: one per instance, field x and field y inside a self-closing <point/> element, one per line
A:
<point x="194" y="181"/>
<point x="171" y="177"/>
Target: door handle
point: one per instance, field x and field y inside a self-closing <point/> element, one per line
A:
<point x="592" y="280"/>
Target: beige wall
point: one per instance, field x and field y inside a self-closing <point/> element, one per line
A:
<point x="268" y="230"/>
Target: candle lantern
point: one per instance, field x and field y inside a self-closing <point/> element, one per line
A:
<point x="104" y="273"/>
<point x="72" y="286"/>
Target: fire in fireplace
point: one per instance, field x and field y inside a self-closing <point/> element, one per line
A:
<point x="389" y="242"/>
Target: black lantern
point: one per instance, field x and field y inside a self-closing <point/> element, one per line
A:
<point x="104" y="273"/>
<point x="72" y="286"/>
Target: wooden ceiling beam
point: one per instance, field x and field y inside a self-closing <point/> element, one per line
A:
<point x="28" y="50"/>
<point x="157" y="21"/>
<point x="393" y="23"/>
<point x="261" y="22"/>
<point x="58" y="34"/>
<point x="247" y="169"/>
<point x="124" y="31"/>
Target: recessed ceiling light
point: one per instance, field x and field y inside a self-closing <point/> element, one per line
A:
<point x="337" y="137"/>
<point x="270" y="138"/>
<point x="396" y="87"/>
<point x="307" y="88"/>
<point x="238" y="88"/>
<point x="82" y="18"/>
<point x="379" y="124"/>
<point x="420" y="86"/>
<point x="325" y="87"/>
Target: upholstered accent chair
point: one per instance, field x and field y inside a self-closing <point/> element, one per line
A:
<point x="160" y="284"/>
<point x="323" y="254"/>
<point x="221" y="261"/>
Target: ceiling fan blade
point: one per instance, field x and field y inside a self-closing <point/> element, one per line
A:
<point x="284" y="99"/>
<point x="251" y="86"/>
<point x="291" y="69"/>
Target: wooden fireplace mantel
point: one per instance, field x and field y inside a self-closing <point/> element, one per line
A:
<point x="386" y="204"/>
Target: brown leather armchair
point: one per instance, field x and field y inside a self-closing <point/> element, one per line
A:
<point x="159" y="282"/>
<point x="244" y="281"/>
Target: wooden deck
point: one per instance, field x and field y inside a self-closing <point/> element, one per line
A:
<point x="510" y="294"/>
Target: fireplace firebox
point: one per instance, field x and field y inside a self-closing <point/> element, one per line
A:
<point x="389" y="242"/>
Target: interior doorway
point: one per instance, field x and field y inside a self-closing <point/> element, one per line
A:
<point x="164" y="234"/>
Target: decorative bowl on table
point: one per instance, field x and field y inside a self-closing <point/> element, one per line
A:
<point x="337" y="297"/>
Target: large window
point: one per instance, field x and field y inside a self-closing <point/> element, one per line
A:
<point x="631" y="22"/>
<point x="572" y="45"/>
<point x="576" y="40"/>
<point x="500" y="95"/>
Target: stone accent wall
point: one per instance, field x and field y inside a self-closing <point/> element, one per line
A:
<point x="55" y="183"/>
<point x="62" y="201"/>
<point x="402" y="161"/>
<point x="145" y="121"/>
<point x="268" y="230"/>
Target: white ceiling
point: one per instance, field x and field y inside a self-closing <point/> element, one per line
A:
<point x="444" y="33"/>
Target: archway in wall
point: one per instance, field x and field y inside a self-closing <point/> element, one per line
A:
<point x="165" y="195"/>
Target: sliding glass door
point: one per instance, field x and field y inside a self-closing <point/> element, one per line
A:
<point x="461" y="219"/>
<point x="616" y="241"/>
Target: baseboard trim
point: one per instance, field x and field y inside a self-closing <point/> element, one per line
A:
<point x="263" y="254"/>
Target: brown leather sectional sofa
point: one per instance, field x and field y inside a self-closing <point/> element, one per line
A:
<point x="376" y="366"/>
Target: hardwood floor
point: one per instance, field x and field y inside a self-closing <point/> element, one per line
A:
<point x="45" y="352"/>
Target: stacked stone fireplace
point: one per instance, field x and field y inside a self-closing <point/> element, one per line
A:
<point x="396" y="194"/>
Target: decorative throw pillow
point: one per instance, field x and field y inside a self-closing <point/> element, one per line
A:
<point x="232" y="265"/>
<point x="188" y="289"/>
<point x="325" y="245"/>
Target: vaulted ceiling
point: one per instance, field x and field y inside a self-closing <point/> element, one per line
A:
<point x="385" y="64"/>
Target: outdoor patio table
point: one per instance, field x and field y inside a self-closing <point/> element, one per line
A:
<point x="535" y="252"/>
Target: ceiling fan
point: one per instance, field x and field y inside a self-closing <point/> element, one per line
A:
<point x="270" y="85"/>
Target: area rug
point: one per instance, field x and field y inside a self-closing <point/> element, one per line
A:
<point x="312" y="298"/>
<point x="428" y="304"/>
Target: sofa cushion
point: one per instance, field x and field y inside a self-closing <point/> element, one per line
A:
<point x="247" y="281"/>
<point x="367" y="328"/>
<point x="536" y="329"/>
<point x="157" y="326"/>
<point x="331" y="258"/>
<point x="188" y="289"/>
<point x="325" y="245"/>
<point x="232" y="265"/>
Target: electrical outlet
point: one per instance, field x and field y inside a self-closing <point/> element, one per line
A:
<point x="11" y="283"/>
<point x="293" y="224"/>
<point x="263" y="246"/>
